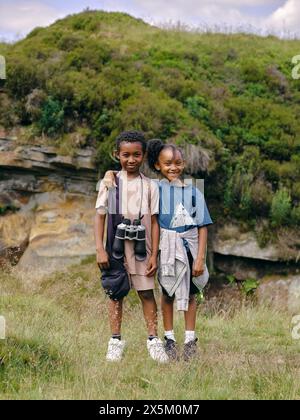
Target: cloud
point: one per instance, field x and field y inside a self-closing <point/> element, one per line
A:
<point x="234" y="12"/>
<point x="286" y="18"/>
<point x="19" y="17"/>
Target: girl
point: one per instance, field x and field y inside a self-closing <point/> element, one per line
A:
<point x="183" y="219"/>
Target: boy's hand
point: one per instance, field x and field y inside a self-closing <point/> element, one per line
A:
<point x="152" y="266"/>
<point x="198" y="267"/>
<point x="102" y="260"/>
<point x="109" y="179"/>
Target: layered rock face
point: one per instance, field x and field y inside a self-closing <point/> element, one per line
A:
<point x="47" y="204"/>
<point x="47" y="215"/>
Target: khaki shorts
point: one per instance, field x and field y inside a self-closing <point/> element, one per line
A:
<point x="140" y="283"/>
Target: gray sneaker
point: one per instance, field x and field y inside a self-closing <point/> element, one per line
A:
<point x="190" y="350"/>
<point x="171" y="349"/>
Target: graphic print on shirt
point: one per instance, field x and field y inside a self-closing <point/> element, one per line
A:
<point x="181" y="217"/>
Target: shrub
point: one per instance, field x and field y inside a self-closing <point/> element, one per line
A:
<point x="281" y="208"/>
<point x="22" y="77"/>
<point x="198" y="108"/>
<point x="295" y="215"/>
<point x="271" y="171"/>
<point x="153" y="113"/>
<point x="52" y="117"/>
<point x="277" y="149"/>
<point x="296" y="191"/>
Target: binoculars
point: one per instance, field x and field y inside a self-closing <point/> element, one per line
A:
<point x="132" y="232"/>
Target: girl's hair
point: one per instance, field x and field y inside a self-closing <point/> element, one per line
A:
<point x="131" y="137"/>
<point x="154" y="148"/>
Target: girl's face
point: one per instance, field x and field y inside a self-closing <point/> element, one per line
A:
<point x="131" y="156"/>
<point x="170" y="164"/>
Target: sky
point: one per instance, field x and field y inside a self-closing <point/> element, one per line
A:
<point x="19" y="17"/>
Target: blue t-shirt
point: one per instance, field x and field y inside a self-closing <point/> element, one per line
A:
<point x="181" y="208"/>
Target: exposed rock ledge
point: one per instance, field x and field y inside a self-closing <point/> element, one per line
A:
<point x="50" y="225"/>
<point x="230" y="241"/>
<point x="50" y="201"/>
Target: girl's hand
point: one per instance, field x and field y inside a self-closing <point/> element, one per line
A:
<point x="198" y="267"/>
<point x="152" y="266"/>
<point x="102" y="260"/>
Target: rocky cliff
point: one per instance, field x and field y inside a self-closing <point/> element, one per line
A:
<point x="47" y="206"/>
<point x="47" y="214"/>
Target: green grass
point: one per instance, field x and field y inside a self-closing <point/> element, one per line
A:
<point x="57" y="332"/>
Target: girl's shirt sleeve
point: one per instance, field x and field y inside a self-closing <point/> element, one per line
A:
<point x="102" y="199"/>
<point x="202" y="214"/>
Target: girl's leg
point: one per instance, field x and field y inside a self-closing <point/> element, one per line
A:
<point x="190" y="315"/>
<point x="115" y="310"/>
<point x="190" y="343"/>
<point x="167" y="304"/>
<point x="150" y="311"/>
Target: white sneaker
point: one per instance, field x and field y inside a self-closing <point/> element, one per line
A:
<point x="115" y="350"/>
<point x="157" y="351"/>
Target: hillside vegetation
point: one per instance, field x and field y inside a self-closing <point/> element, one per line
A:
<point x="89" y="76"/>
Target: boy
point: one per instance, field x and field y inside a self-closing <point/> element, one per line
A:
<point x="137" y="195"/>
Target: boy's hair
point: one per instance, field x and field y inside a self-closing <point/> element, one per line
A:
<point x="131" y="137"/>
<point x="154" y="148"/>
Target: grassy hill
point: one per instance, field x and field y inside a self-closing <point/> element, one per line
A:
<point x="89" y="76"/>
<point x="57" y="333"/>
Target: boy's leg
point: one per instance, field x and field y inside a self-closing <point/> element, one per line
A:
<point x="150" y="311"/>
<point x="154" y="344"/>
<point x="115" y="310"/>
<point x="115" y="345"/>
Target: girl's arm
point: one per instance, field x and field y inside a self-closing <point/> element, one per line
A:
<point x="102" y="256"/>
<point x="152" y="264"/>
<point x="198" y="267"/>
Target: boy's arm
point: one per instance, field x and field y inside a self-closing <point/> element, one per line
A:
<point x="109" y="178"/>
<point x="102" y="256"/>
<point x="198" y="267"/>
<point x="152" y="264"/>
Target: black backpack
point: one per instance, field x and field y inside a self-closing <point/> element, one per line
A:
<point x="115" y="281"/>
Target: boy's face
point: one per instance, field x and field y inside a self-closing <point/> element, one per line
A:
<point x="170" y="164"/>
<point x="131" y="156"/>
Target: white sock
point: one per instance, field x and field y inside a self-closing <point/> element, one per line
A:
<point x="189" y="336"/>
<point x="170" y="335"/>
